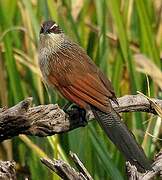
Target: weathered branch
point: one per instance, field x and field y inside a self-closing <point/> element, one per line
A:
<point x="80" y="166"/>
<point x="7" y="170"/>
<point x="46" y="120"/>
<point x="65" y="171"/>
<point x="43" y="120"/>
<point x="133" y="174"/>
<point x="62" y="169"/>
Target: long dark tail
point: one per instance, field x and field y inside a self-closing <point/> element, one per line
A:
<point x="119" y="134"/>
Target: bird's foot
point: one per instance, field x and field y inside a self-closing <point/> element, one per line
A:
<point x="76" y="113"/>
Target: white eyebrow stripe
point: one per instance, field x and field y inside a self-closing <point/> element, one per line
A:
<point x="55" y="25"/>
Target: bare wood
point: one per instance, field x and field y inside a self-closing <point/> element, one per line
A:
<point x="62" y="169"/>
<point x="67" y="172"/>
<point x="46" y="120"/>
<point x="133" y="174"/>
<point x="80" y="166"/>
<point x="43" y="120"/>
<point x="134" y="103"/>
<point x="7" y="170"/>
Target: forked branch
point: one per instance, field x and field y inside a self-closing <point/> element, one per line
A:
<point x="65" y="171"/>
<point x="46" y="120"/>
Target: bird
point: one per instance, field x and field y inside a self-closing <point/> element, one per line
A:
<point x="66" y="67"/>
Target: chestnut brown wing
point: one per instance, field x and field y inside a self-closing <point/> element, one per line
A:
<point x="79" y="80"/>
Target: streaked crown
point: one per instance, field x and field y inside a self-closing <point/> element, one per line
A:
<point x="50" y="27"/>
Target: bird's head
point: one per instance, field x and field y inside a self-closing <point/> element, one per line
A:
<point x="50" y="27"/>
<point x="51" y="35"/>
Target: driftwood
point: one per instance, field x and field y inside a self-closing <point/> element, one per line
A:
<point x="7" y="170"/>
<point x="43" y="120"/>
<point x="65" y="171"/>
<point x="46" y="120"/>
<point x="62" y="169"/>
<point x="133" y="174"/>
<point x="80" y="166"/>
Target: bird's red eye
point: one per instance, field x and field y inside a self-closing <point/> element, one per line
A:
<point x="53" y="29"/>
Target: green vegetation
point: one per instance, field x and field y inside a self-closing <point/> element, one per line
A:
<point x="112" y="32"/>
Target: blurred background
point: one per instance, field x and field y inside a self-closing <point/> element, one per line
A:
<point x="123" y="37"/>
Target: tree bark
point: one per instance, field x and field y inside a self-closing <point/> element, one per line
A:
<point x="133" y="174"/>
<point x="65" y="171"/>
<point x="7" y="170"/>
<point x="47" y="120"/>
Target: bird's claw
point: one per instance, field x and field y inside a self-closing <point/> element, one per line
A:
<point x="75" y="112"/>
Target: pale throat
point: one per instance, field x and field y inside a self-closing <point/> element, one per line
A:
<point x="49" y="45"/>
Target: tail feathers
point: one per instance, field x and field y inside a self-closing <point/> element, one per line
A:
<point x="119" y="134"/>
